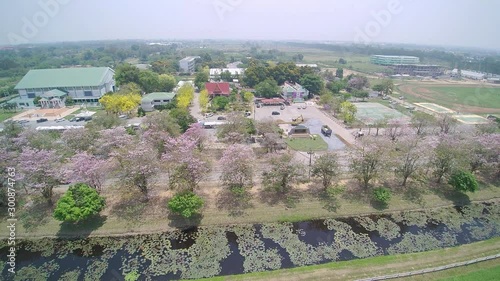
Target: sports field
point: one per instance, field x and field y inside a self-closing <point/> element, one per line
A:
<point x="435" y="108"/>
<point x="471" y="119"/>
<point x="369" y="112"/>
<point x="480" y="99"/>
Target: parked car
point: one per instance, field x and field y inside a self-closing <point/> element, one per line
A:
<point x="60" y="120"/>
<point x="247" y="113"/>
<point x="76" y="119"/>
<point x="123" y="116"/>
<point x="42" y="120"/>
<point x="221" y="118"/>
<point x="275" y="113"/>
<point x="325" y="130"/>
<point x="208" y="115"/>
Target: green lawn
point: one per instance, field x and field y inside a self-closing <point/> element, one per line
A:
<point x="307" y="144"/>
<point x="485" y="274"/>
<point x="478" y="100"/>
<point x="6" y="115"/>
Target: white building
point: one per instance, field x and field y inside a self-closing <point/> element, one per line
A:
<point x="235" y="72"/>
<point x="188" y="64"/>
<point x="149" y="101"/>
<point x="468" y="74"/>
<point x="84" y="85"/>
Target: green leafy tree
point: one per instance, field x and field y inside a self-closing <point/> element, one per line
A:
<point x="141" y="112"/>
<point x="220" y="103"/>
<point x="79" y="203"/>
<point x="378" y="88"/>
<point x="360" y="94"/>
<point x="387" y="86"/>
<point x="248" y="97"/>
<point x="326" y="168"/>
<point x="312" y="82"/>
<point x="463" y="181"/>
<point x="166" y="83"/>
<point x="69" y="101"/>
<point x="348" y="111"/>
<point x="36" y="100"/>
<point x="255" y="73"/>
<point x="185" y="204"/>
<point x="149" y="81"/>
<point x="268" y="88"/>
<point x="226" y="76"/>
<point x="182" y="117"/>
<point x="339" y="73"/>
<point x="126" y="73"/>
<point x="201" y="78"/>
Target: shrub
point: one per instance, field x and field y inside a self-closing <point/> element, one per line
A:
<point x="79" y="203"/>
<point x="463" y="181"/>
<point x="185" y="204"/>
<point x="382" y="194"/>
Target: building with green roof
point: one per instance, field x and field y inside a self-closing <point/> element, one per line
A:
<point x="149" y="101"/>
<point x="83" y="84"/>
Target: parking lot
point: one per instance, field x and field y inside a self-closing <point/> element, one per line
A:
<point x="313" y="119"/>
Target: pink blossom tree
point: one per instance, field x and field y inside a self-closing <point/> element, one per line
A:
<point x="111" y="139"/>
<point x="198" y="134"/>
<point x="185" y="162"/>
<point x="237" y="165"/>
<point x="86" y="168"/>
<point x="137" y="165"/>
<point x="40" y="170"/>
<point x="78" y="139"/>
<point x="411" y="156"/>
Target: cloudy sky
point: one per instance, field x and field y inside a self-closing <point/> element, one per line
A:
<point x="431" y="22"/>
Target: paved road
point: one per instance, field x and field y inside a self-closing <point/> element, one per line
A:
<point x="311" y="114"/>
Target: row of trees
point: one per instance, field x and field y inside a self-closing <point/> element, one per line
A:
<point x="148" y="80"/>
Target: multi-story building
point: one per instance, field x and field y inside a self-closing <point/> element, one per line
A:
<point x="188" y="64"/>
<point x="84" y="85"/>
<point x="418" y="69"/>
<point x="393" y="60"/>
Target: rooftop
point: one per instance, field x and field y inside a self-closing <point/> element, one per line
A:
<point x="63" y="77"/>
<point x="158" y="96"/>
<point x="191" y="58"/>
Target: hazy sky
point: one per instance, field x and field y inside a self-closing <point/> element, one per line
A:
<point x="434" y="22"/>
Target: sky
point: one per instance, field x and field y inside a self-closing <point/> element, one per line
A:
<point x="466" y="23"/>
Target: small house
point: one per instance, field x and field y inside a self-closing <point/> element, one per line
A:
<point x="151" y="100"/>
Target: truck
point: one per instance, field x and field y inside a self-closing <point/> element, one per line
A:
<point x="326" y="131"/>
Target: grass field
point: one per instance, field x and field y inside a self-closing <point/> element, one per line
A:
<point x="463" y="98"/>
<point x="369" y="112"/>
<point x="6" y="115"/>
<point x="307" y="144"/>
<point x="378" y="266"/>
<point x="471" y="119"/>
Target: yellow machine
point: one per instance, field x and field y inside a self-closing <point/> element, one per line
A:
<point x="297" y="121"/>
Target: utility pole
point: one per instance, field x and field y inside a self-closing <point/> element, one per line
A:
<point x="310" y="152"/>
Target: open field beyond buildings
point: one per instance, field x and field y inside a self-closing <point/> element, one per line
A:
<point x="462" y="98"/>
<point x="369" y="112"/>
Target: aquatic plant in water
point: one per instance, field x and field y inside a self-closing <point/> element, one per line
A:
<point x="411" y="218"/>
<point x="300" y="253"/>
<point x="70" y="275"/>
<point x="95" y="270"/>
<point x="415" y="243"/>
<point x="360" y="245"/>
<point x="257" y="257"/>
<point x="33" y="273"/>
<point x="386" y="228"/>
<point x="45" y="246"/>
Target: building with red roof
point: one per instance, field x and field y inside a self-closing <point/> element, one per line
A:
<point x="218" y="89"/>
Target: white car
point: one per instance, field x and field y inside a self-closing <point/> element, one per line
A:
<point x="60" y="120"/>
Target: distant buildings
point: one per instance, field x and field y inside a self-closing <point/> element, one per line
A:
<point x="182" y="83"/>
<point x="188" y="64"/>
<point x="84" y="85"/>
<point x="149" y="101"/>
<point x="236" y="73"/>
<point x="218" y="89"/>
<point x="393" y="60"/>
<point x="311" y="65"/>
<point x="293" y="91"/>
<point x="417" y="69"/>
<point x="474" y="75"/>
